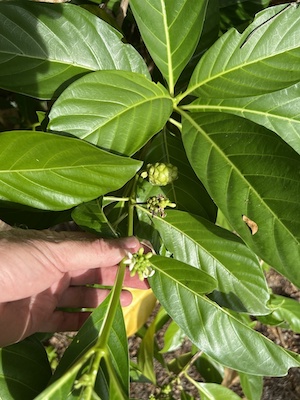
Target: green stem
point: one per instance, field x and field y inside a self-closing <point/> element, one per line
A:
<point x="111" y="309"/>
<point x="101" y="346"/>
<point x="113" y="198"/>
<point x="131" y="205"/>
<point x="176" y="123"/>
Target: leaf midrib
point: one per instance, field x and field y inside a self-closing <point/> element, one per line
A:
<point x="221" y="108"/>
<point x="236" y="68"/>
<point x="233" y="167"/>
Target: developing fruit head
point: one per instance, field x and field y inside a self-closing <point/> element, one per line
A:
<point x="161" y="174"/>
<point x="157" y="205"/>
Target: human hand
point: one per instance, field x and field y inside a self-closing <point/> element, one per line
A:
<point x="40" y="274"/>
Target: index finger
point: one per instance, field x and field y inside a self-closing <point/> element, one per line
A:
<point x="98" y="253"/>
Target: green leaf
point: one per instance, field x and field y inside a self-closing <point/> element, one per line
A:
<point x="264" y="64"/>
<point x="249" y="171"/>
<point x="171" y="31"/>
<point x="287" y="310"/>
<point x="105" y="106"/>
<point x="62" y="383"/>
<point x="211" y="328"/>
<point x="187" y="192"/>
<point x="145" y="355"/>
<point x="90" y="216"/>
<point x="24" y="370"/>
<point x="173" y="338"/>
<point x="276" y="111"/>
<point x="43" y="46"/>
<point x="210" y="370"/>
<point x="185" y="275"/>
<point x="212" y="391"/>
<point x="222" y="255"/>
<point x="209" y="35"/>
<point x="54" y="172"/>
<point x="252" y="386"/>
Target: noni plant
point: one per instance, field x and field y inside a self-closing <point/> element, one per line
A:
<point x="176" y="121"/>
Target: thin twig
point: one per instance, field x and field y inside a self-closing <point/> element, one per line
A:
<point x="122" y="12"/>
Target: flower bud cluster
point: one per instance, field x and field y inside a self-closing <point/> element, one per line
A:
<point x="139" y="263"/>
<point x="160" y="174"/>
<point x="157" y="205"/>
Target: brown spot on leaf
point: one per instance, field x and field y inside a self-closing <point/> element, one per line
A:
<point x="251" y="224"/>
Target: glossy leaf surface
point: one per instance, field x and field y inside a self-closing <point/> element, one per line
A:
<point x="24" y="370"/>
<point x="116" y="110"/>
<point x="171" y="31"/>
<point x="184" y="275"/>
<point x="214" y="330"/>
<point x="43" y="46"/>
<point x="54" y="172"/>
<point x="221" y="254"/>
<point x="251" y="172"/>
<point x="235" y="68"/>
<point x="278" y="111"/>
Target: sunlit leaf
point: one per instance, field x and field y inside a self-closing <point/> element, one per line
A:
<point x="241" y="65"/>
<point x="214" y="330"/>
<point x="116" y="110"/>
<point x="278" y="111"/>
<point x="220" y="253"/>
<point x="43" y="46"/>
<point x="250" y="171"/>
<point x="54" y="172"/>
<point x="171" y="31"/>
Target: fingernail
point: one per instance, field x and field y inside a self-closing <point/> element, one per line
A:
<point x="130" y="243"/>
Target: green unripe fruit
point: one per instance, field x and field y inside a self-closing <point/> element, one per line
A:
<point x="161" y="174"/>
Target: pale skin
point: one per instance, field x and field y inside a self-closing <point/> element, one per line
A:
<point x="40" y="274"/>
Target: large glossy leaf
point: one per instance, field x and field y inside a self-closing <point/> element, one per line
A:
<point x="266" y="62"/>
<point x="54" y="172"/>
<point x="198" y="242"/>
<point x="24" y="370"/>
<point x="42" y="46"/>
<point x="277" y="111"/>
<point x="214" y="330"/>
<point x="170" y="30"/>
<point x="187" y="191"/>
<point x="116" y="110"/>
<point x="249" y="171"/>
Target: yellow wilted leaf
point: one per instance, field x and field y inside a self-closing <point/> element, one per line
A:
<point x="139" y="310"/>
